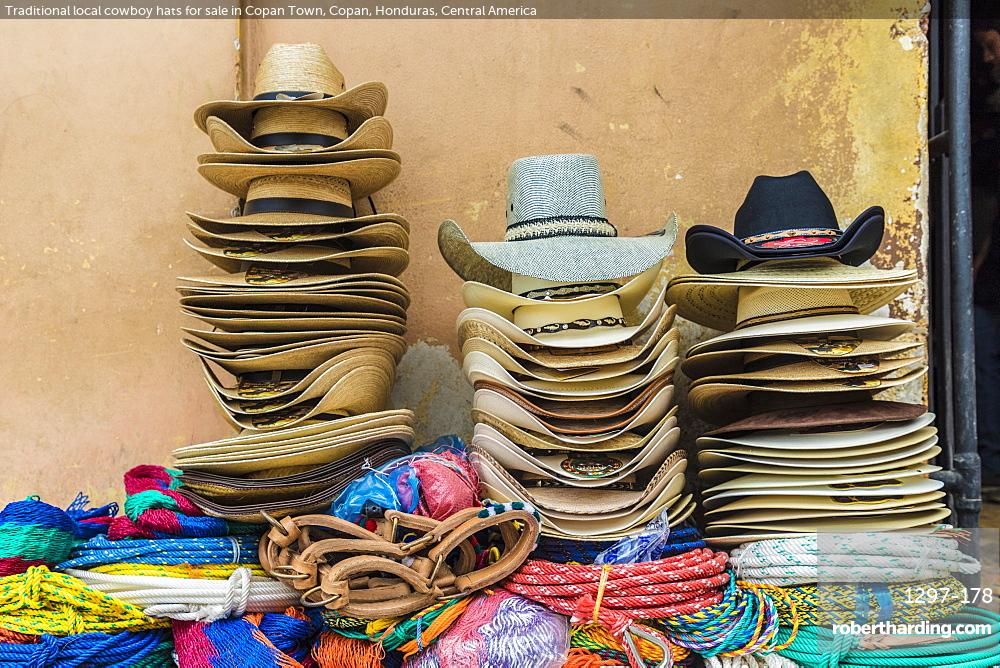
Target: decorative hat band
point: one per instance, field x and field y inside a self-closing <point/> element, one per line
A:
<point x="560" y="226"/>
<point x="291" y="95"/>
<point x="795" y="238"/>
<point x="553" y="317"/>
<point x="308" y="127"/>
<point x="313" y="195"/>
<point x="761" y="305"/>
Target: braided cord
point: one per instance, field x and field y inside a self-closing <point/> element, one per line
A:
<point x="812" y="647"/>
<point x="145" y="649"/>
<point x="41" y="602"/>
<point x="100" y="551"/>
<point x="203" y="572"/>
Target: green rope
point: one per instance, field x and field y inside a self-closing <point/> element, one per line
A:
<point x="817" y="647"/>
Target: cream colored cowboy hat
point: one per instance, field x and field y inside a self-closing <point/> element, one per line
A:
<point x="488" y="403"/>
<point x="807" y="503"/>
<point x="251" y="339"/>
<point x="722" y="402"/>
<point x="577" y="419"/>
<point x="287" y="129"/>
<point x="478" y="367"/>
<point x="637" y="351"/>
<point x="821" y="347"/>
<point x="530" y="440"/>
<point x="530" y="291"/>
<point x="296" y="77"/>
<point x="360" y="178"/>
<point x="575" y="468"/>
<point x="557" y="230"/>
<point x="233" y="257"/>
<point x="313" y="453"/>
<point x="798" y="370"/>
<point x="856" y="484"/>
<point x="784" y="290"/>
<point x="921" y="454"/>
<point x="289" y="357"/>
<point x="923" y="517"/>
<point x="713" y="455"/>
<point x="864" y="326"/>
<point x="592" y="331"/>
<point x="263" y="277"/>
<point x="296" y="303"/>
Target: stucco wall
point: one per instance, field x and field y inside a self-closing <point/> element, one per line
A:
<point x="97" y="167"/>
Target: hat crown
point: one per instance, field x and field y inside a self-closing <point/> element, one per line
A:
<point x="778" y="203"/>
<point x="557" y="194"/>
<point x="297" y="68"/>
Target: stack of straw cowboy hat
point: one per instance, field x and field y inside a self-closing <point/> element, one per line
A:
<point x="571" y="352"/>
<point x="806" y="442"/>
<point x="302" y="323"/>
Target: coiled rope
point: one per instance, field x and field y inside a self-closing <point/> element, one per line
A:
<point x="194" y="600"/>
<point x="866" y="557"/>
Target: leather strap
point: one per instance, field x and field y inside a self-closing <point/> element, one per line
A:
<point x="517" y="546"/>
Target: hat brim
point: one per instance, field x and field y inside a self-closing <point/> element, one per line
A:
<point x="557" y="466"/>
<point x="293" y="280"/>
<point x="719" y="403"/>
<point x="873" y="327"/>
<point x="797" y="370"/>
<point x="295" y="356"/>
<point x="358" y="104"/>
<point x="366" y="176"/>
<point x="233" y="225"/>
<point x="712" y="250"/>
<point x="295" y="158"/>
<point x="714" y="302"/>
<point x="373" y="133"/>
<point x="504" y="303"/>
<point x="569" y="259"/>
<point x="723" y="362"/>
<point x="841" y="415"/>
<point x="380" y="259"/>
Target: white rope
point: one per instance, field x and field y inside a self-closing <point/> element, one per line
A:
<point x="750" y="661"/>
<point x="867" y="557"/>
<point x="192" y="599"/>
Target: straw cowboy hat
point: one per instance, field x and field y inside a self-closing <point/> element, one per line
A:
<point x="636" y="352"/>
<point x="821" y="347"/>
<point x="864" y="326"/>
<point x="578" y="324"/>
<point x="557" y="230"/>
<point x="301" y="355"/>
<point x="785" y="289"/>
<point x="266" y="278"/>
<point x="233" y="257"/>
<point x="293" y="203"/>
<point x="295" y="84"/>
<point x="813" y="369"/>
<point x="719" y="403"/>
<point x="287" y="128"/>
<point x="577" y="468"/>
<point x="784" y="217"/>
<point x="355" y="179"/>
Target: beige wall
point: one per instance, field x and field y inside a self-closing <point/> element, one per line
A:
<point x="97" y="168"/>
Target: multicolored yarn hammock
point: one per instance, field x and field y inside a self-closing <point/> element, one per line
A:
<point x="252" y="641"/>
<point x="155" y="509"/>
<point x="408" y="634"/>
<point x="34" y="533"/>
<point x="144" y="649"/>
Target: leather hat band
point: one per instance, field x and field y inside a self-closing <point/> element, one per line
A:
<point x="298" y="205"/>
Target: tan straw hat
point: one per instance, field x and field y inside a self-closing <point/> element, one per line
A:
<point x="288" y="128"/>
<point x="863" y="326"/>
<point x="298" y="76"/>
<point x="234" y="257"/>
<point x="821" y="347"/>
<point x="813" y="369"/>
<point x="719" y="403"/>
<point x="360" y="178"/>
<point x="301" y="355"/>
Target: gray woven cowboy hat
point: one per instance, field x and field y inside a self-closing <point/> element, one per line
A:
<point x="557" y="230"/>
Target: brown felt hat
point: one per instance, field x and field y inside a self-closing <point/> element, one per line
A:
<point x="836" y="415"/>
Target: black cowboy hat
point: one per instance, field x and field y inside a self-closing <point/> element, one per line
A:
<point x="784" y="218"/>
